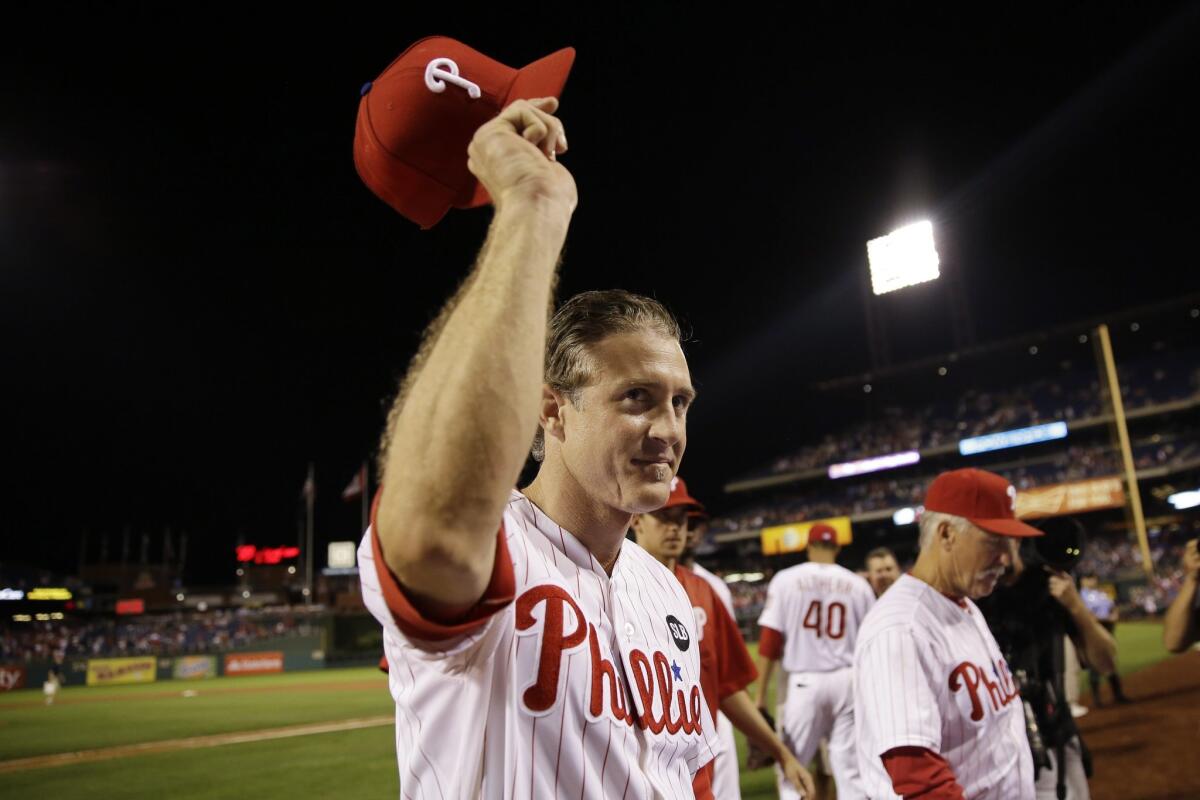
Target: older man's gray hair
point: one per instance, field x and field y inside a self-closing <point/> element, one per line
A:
<point x="930" y="520"/>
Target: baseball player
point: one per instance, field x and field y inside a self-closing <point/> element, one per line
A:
<point x="54" y="679"/>
<point x="937" y="711"/>
<point x="810" y="622"/>
<point x="882" y="569"/>
<point x="533" y="652"/>
<point x="726" y="775"/>
<point x="726" y="668"/>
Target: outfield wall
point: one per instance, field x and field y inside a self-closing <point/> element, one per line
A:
<point x="266" y="656"/>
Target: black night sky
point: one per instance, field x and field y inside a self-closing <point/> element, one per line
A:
<point x="198" y="296"/>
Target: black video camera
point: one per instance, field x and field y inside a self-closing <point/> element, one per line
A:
<point x="1061" y="545"/>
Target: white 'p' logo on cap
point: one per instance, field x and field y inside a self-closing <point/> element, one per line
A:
<point x="441" y="71"/>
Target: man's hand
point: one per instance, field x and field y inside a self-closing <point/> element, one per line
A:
<point x="1191" y="560"/>
<point x="515" y="155"/>
<point x="797" y="775"/>
<point x="1062" y="589"/>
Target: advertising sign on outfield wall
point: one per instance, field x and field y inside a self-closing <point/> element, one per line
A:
<point x="193" y="667"/>
<point x="253" y="663"/>
<point x="109" y="671"/>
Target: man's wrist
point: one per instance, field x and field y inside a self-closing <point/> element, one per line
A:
<point x="547" y="209"/>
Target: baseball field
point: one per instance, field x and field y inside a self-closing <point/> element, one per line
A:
<point x="328" y="735"/>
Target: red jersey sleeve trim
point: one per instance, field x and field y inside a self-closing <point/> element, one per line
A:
<point x="918" y="773"/>
<point x="500" y="592"/>
<point x="770" y="643"/>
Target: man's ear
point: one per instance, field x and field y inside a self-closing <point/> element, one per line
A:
<point x="551" y="413"/>
<point x="946" y="534"/>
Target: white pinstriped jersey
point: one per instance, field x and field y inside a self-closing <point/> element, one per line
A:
<point x="584" y="686"/>
<point x="817" y="608"/>
<point x="719" y="586"/>
<point x="927" y="673"/>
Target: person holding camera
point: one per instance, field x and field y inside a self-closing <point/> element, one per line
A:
<point x="1181" y="628"/>
<point x="1030" y="614"/>
<point x="1105" y="611"/>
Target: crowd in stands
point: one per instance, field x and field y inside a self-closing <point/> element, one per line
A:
<point x="831" y="499"/>
<point x="179" y="633"/>
<point x="1073" y="395"/>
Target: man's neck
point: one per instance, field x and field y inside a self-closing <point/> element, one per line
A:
<point x="928" y="569"/>
<point x="599" y="527"/>
<point x="666" y="561"/>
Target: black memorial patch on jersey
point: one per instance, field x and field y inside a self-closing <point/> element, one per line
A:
<point x="679" y="633"/>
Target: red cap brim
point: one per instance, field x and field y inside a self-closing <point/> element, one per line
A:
<point x="686" y="500"/>
<point x="545" y="77"/>
<point x="1006" y="527"/>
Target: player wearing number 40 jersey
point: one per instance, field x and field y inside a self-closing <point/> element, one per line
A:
<point x="809" y="623"/>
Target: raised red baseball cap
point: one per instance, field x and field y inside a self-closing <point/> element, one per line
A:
<point x="823" y="533"/>
<point x="983" y="498"/>
<point x="680" y="497"/>
<point x="416" y="119"/>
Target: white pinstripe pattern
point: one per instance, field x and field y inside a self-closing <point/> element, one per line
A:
<point x="466" y="695"/>
<point x="911" y="643"/>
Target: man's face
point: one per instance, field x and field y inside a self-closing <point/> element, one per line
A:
<point x="663" y="534"/>
<point x="695" y="532"/>
<point x="978" y="560"/>
<point x="624" y="440"/>
<point x="882" y="572"/>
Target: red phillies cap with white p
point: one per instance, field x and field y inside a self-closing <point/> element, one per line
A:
<point x="823" y="533"/>
<point x="416" y="119"/>
<point x="983" y="498"/>
<point x="679" y="497"/>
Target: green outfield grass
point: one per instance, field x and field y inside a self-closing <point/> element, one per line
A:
<point x="1139" y="644"/>
<point x="90" y="717"/>
<point x="354" y="763"/>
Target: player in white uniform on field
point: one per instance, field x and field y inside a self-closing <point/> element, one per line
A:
<point x="937" y="711"/>
<point x="533" y="652"/>
<point x="810" y="622"/>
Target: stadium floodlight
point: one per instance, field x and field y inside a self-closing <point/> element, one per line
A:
<point x="905" y="257"/>
<point x="1183" y="500"/>
<point x="342" y="555"/>
<point x="904" y="516"/>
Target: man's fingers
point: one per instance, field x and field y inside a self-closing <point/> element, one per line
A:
<point x="534" y="120"/>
